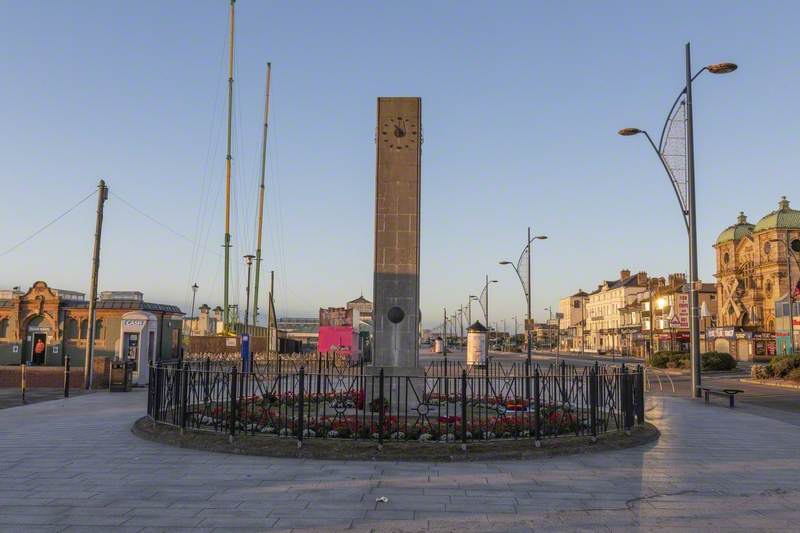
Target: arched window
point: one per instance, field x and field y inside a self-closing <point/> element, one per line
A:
<point x="98" y="330"/>
<point x="71" y="329"/>
<point x="84" y="328"/>
<point x="3" y="328"/>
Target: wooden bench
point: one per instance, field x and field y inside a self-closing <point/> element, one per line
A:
<point x="730" y="393"/>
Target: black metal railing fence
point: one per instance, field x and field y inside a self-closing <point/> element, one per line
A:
<point x="357" y="402"/>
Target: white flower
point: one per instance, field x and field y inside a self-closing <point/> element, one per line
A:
<point x="285" y="432"/>
<point x="309" y="433"/>
<point x="268" y="429"/>
<point x="489" y="435"/>
<point x="398" y="435"/>
<point x="449" y="437"/>
<point x="332" y="434"/>
<point x="425" y="437"/>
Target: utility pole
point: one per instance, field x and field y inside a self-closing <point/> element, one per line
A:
<point x="261" y="197"/>
<point x="530" y="317"/>
<point x="102" y="195"/>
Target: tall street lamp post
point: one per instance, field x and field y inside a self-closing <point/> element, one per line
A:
<point x="194" y="295"/>
<point x="526" y="287"/>
<point x="248" y="259"/>
<point x="686" y="197"/>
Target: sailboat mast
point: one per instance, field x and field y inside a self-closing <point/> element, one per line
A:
<point x="227" y="244"/>
<point x="261" y="195"/>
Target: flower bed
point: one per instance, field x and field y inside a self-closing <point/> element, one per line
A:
<point x="485" y="420"/>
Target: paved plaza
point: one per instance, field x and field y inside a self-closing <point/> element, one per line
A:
<point x="73" y="465"/>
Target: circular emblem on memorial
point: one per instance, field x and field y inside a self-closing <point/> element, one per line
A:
<point x="396" y="315"/>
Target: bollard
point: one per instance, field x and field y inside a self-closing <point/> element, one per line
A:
<point x="66" y="376"/>
<point x="22" y="382"/>
<point x="640" y="394"/>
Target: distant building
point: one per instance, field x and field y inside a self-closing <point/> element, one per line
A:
<point x="573" y="323"/>
<point x="363" y="306"/>
<point x="602" y="310"/>
<point x="204" y="324"/>
<point x="753" y="273"/>
<point x="305" y="330"/>
<point x="43" y="325"/>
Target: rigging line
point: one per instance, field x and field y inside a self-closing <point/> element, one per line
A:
<point x="206" y="185"/>
<point x="165" y="226"/>
<point x="37" y="232"/>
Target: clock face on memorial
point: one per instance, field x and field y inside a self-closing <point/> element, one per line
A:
<point x="399" y="133"/>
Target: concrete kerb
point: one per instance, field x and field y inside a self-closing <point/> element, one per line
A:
<point x="358" y="450"/>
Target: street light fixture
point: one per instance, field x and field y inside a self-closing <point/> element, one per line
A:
<point x="688" y="206"/>
<point x="528" y="292"/>
<point x="248" y="259"/>
<point x="194" y="295"/>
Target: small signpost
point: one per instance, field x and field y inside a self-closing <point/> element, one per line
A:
<point x="245" y="351"/>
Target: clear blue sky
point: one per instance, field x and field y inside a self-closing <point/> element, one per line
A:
<point x="521" y="102"/>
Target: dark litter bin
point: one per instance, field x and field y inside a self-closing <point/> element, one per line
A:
<point x="120" y="378"/>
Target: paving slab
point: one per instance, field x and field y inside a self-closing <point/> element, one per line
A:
<point x="73" y="465"/>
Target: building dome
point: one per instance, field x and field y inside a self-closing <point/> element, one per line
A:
<point x="782" y="218"/>
<point x="741" y="229"/>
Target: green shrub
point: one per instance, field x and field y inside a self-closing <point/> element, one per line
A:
<point x="794" y="375"/>
<point x="670" y="359"/>
<point x="779" y="367"/>
<point x="759" y="372"/>
<point x="717" y="361"/>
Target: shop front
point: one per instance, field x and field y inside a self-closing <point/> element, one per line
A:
<point x="741" y="344"/>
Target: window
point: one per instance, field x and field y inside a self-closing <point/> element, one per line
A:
<point x="726" y="258"/>
<point x="3" y="328"/>
<point x="84" y="328"/>
<point x="98" y="330"/>
<point x="576" y="304"/>
<point x="71" y="329"/>
<point x="767" y="248"/>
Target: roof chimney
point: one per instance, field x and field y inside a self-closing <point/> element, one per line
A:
<point x="742" y="218"/>
<point x="783" y="204"/>
<point x="641" y="278"/>
<point x="624" y="274"/>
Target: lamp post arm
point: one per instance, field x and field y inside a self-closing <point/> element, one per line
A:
<point x="675" y="103"/>
<point x="669" y="177"/>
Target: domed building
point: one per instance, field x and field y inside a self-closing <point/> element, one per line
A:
<point x="753" y="285"/>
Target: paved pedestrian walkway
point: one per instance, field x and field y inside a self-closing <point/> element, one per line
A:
<point x="74" y="465"/>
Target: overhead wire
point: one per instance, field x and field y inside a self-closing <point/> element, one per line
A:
<point x="40" y="230"/>
<point x="156" y="221"/>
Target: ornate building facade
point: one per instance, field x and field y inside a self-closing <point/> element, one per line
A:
<point x="753" y="274"/>
<point x="43" y="325"/>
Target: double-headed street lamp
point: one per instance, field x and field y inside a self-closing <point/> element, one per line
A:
<point x="686" y="198"/>
<point x="526" y="283"/>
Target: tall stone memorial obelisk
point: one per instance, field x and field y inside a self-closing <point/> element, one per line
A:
<point x="397" y="206"/>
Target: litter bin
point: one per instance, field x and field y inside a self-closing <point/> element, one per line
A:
<point x="119" y="379"/>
